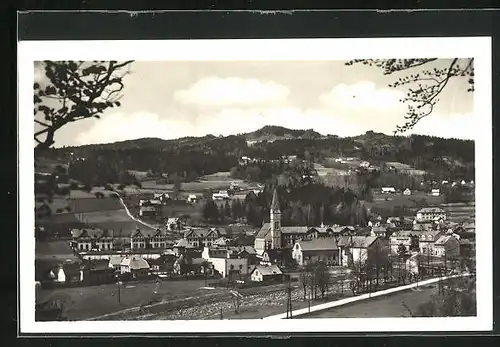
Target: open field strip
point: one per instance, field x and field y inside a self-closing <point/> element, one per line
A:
<point x="346" y="301"/>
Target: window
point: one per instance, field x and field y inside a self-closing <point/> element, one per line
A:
<point x="232" y="267"/>
<point x="241" y="267"/>
<point x="276" y="225"/>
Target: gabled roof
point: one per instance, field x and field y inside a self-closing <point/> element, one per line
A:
<point x="443" y="240"/>
<point x="148" y="233"/>
<point x="318" y="244"/>
<point x="115" y="259"/>
<point x="433" y="233"/>
<point x="269" y="270"/>
<point x="173" y="220"/>
<point x="70" y="269"/>
<point x="202" y="232"/>
<point x="135" y="263"/>
<point x="356" y="241"/>
<point x="379" y="229"/>
<point x="92" y="233"/>
<point x="266" y="227"/>
<point x="406" y="233"/>
<point x="431" y="210"/>
<point x="294" y="230"/>
<point x="183" y="243"/>
<point x="96" y="264"/>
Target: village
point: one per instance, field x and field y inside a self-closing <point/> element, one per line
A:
<point x="174" y="258"/>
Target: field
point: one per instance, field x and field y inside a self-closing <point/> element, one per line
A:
<point x="385" y="306"/>
<point x="103" y="217"/>
<point x="54" y="250"/>
<point x="398" y="199"/>
<point x="57" y="205"/>
<point x="94" y="204"/>
<point x="324" y="171"/>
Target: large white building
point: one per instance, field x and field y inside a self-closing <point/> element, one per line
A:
<point x="429" y="214"/>
<point x="225" y="261"/>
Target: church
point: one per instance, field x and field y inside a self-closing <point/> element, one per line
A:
<point x="274" y="236"/>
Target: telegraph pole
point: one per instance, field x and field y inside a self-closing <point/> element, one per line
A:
<point x="289" y="300"/>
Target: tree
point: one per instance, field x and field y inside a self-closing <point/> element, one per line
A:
<point x="424" y="84"/>
<point x="177" y="186"/>
<point x="210" y="211"/>
<point x="74" y="90"/>
<point x="322" y="278"/>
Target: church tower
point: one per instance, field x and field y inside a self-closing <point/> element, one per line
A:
<point x="275" y="220"/>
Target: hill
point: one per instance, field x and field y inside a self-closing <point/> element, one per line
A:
<point x="191" y="157"/>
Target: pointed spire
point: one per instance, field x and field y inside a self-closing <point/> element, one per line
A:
<point x="275" y="206"/>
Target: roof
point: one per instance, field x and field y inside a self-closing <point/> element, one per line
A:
<point x="443" y="239"/>
<point x="356" y="241"/>
<point x="248" y="249"/>
<point x="115" y="259"/>
<point x="379" y="229"/>
<point x="433" y="233"/>
<point x="431" y="210"/>
<point x="263" y="231"/>
<point x="135" y="263"/>
<point x="172" y="220"/>
<point x="183" y="243"/>
<point x="268" y="270"/>
<point x="221" y="241"/>
<point x="406" y="233"/>
<point x="148" y="232"/>
<point x="71" y="268"/>
<point x="96" y="264"/>
<point x="340" y="228"/>
<point x="318" y="244"/>
<point x="93" y="233"/>
<point x="202" y="232"/>
<point x="275" y="206"/>
<point x="388" y="188"/>
<point x="294" y="230"/>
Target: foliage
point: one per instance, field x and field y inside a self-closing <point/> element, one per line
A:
<point x="74" y="90"/>
<point x="424" y="86"/>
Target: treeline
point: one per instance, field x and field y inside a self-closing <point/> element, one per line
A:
<point x="308" y="205"/>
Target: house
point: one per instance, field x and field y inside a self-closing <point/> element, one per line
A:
<point x="226" y="262"/>
<point x="67" y="273"/>
<point x="163" y="265"/>
<point x="192" y="199"/>
<point x="310" y="252"/>
<point x="192" y="265"/>
<point x="148" y="238"/>
<point x="270" y="273"/>
<point x="202" y="237"/>
<point x="427" y="241"/>
<point x="221" y="242"/>
<point x="174" y="224"/>
<point x="280" y="257"/>
<point x="136" y="266"/>
<point x="435" y="192"/>
<point x="378" y="230"/>
<point x="162" y="197"/>
<point x="364" y="164"/>
<point x="88" y="239"/>
<point x="182" y="247"/>
<point x="359" y="249"/>
<point x="97" y="272"/>
<point x="409" y="239"/>
<point x="407" y="191"/>
<point x="447" y="246"/>
<point x="427" y="214"/>
<point x="388" y="190"/>
<point x="115" y="261"/>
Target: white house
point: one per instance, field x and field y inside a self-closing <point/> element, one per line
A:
<point x="224" y="261"/>
<point x="192" y="198"/>
<point x="388" y="190"/>
<point x="429" y="214"/>
<point x="364" y="164"/>
<point x="435" y="192"/>
<point x="137" y="266"/>
<point x="407" y="191"/>
<point x="263" y="273"/>
<point x="427" y="241"/>
<point x="313" y="251"/>
<point x="355" y="249"/>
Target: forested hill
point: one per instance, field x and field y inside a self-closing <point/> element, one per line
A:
<point x="203" y="155"/>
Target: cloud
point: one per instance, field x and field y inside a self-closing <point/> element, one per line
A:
<point x="361" y="95"/>
<point x="455" y="125"/>
<point x="215" y="91"/>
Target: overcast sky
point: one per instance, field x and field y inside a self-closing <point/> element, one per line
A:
<point x="175" y="99"/>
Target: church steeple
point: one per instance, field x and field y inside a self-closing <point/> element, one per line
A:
<point x="275" y="205"/>
<point x="275" y="219"/>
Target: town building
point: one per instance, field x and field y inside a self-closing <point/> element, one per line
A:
<point x="428" y="214"/>
<point x="359" y="249"/>
<point x="447" y="246"/>
<point x="388" y="190"/>
<point x="202" y="237"/>
<point x="147" y="238"/>
<point x="309" y="252"/>
<point x="174" y="224"/>
<point x="435" y="192"/>
<point x="136" y="266"/>
<point x="186" y="264"/>
<point x="427" y="241"/>
<point x="407" y="191"/>
<point x="266" y="274"/>
<point x="409" y="239"/>
<point x="149" y="208"/>
<point x="226" y="260"/>
<point x="88" y="239"/>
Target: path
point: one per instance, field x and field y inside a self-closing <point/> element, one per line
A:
<point x="131" y="216"/>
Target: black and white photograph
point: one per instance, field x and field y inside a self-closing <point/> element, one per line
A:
<point x="323" y="181"/>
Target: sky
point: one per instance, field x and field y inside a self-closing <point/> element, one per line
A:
<point x="175" y="99"/>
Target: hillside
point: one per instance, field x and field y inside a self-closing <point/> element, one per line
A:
<point x="195" y="156"/>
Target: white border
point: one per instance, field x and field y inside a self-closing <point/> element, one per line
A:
<point x="255" y="50"/>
